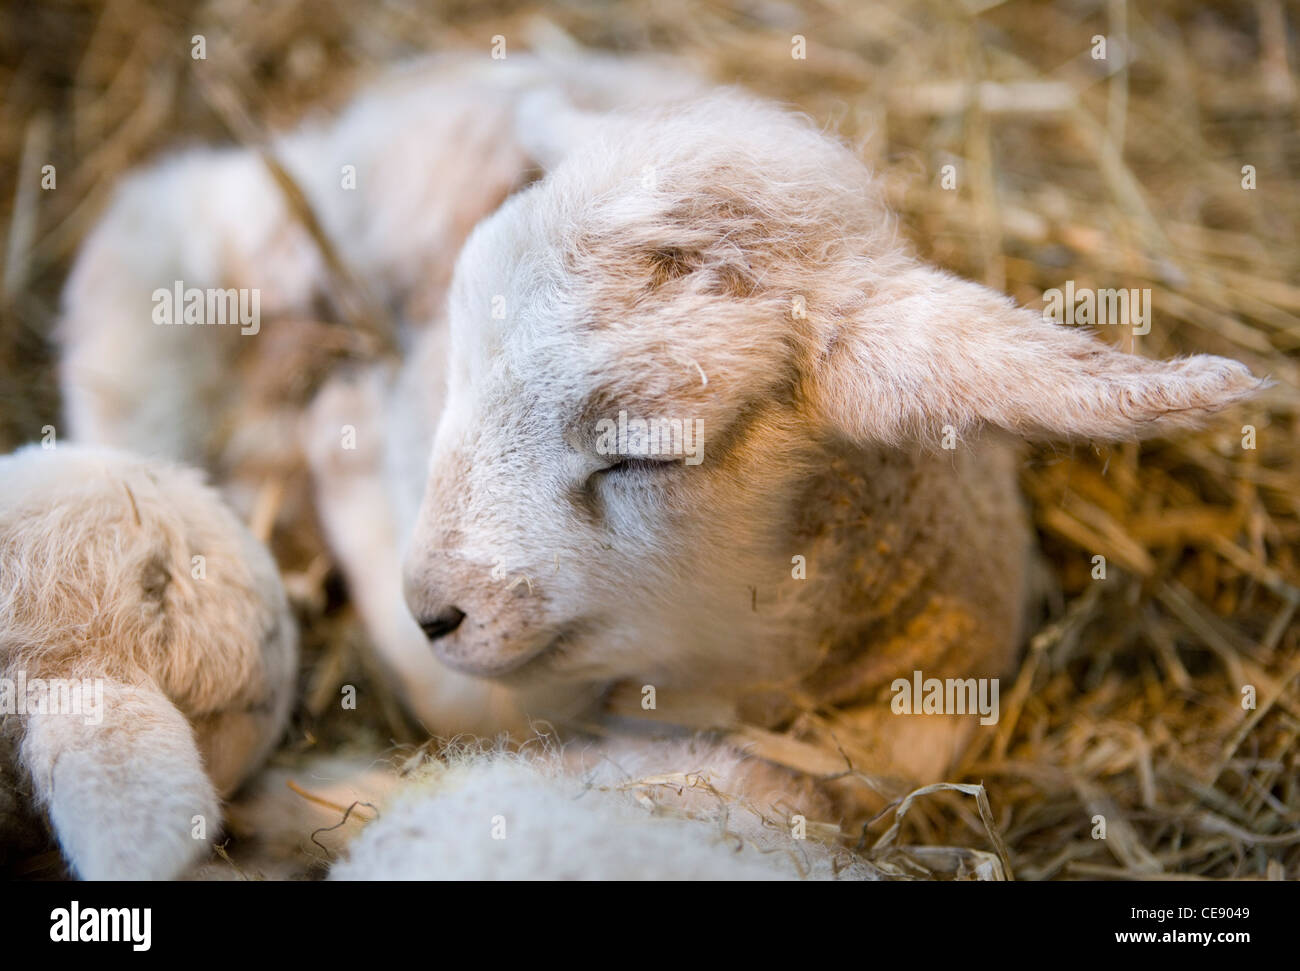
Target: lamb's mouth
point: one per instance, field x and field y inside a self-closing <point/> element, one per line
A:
<point x="520" y="666"/>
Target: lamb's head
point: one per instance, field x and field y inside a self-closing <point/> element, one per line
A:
<point x="728" y="275"/>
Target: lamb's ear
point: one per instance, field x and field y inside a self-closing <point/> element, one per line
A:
<point x="929" y="350"/>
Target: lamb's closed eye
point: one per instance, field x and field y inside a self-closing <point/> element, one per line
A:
<point x="637" y="464"/>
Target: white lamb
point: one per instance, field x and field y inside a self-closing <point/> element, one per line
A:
<point x="625" y="810"/>
<point x="753" y="287"/>
<point x="397" y="182"/>
<point x="716" y="268"/>
<point x="147" y="656"/>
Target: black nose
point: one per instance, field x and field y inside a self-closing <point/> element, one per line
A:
<point x="443" y="624"/>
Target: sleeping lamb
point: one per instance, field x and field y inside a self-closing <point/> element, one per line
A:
<point x="725" y="437"/>
<point x="696" y="436"/>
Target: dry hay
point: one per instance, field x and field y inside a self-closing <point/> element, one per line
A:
<point x="1128" y="702"/>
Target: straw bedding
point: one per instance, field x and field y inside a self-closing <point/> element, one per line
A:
<point x="1126" y="172"/>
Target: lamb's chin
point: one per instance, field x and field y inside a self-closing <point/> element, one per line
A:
<point x="535" y="662"/>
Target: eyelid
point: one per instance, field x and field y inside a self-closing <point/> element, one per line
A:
<point x="638" y="461"/>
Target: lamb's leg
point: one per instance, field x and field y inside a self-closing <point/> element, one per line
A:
<point x="127" y="795"/>
<point x="345" y="443"/>
<point x="201" y="219"/>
